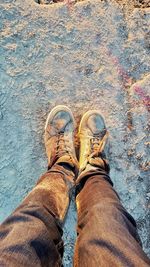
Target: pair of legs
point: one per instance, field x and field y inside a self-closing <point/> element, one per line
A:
<point x="107" y="234"/>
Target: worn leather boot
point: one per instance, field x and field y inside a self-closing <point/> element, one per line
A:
<point x="93" y="137"/>
<point x="59" y="137"/>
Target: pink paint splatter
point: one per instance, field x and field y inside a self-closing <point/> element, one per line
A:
<point x="69" y="4"/>
<point x="127" y="81"/>
<point x="145" y="98"/>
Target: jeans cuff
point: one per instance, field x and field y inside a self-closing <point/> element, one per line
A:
<point x="67" y="163"/>
<point x="102" y="169"/>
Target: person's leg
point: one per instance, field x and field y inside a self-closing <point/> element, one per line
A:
<point x="107" y="234"/>
<point x="31" y="236"/>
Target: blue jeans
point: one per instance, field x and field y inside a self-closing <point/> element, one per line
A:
<point x="107" y="235"/>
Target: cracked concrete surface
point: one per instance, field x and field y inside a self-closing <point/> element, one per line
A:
<point x="92" y="54"/>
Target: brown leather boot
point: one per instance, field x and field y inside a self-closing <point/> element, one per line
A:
<point x="93" y="137"/>
<point x="59" y="137"/>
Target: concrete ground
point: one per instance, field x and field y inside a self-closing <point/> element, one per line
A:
<point x="87" y="55"/>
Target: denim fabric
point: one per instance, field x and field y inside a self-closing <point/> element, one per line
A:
<point x="31" y="236"/>
<point x="107" y="236"/>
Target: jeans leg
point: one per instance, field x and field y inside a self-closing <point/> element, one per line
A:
<point x="31" y="236"/>
<point x="107" y="234"/>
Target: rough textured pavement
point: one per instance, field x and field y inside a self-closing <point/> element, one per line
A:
<point x="92" y="54"/>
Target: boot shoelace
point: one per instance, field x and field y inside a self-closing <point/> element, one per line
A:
<point x="62" y="146"/>
<point x="97" y="144"/>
